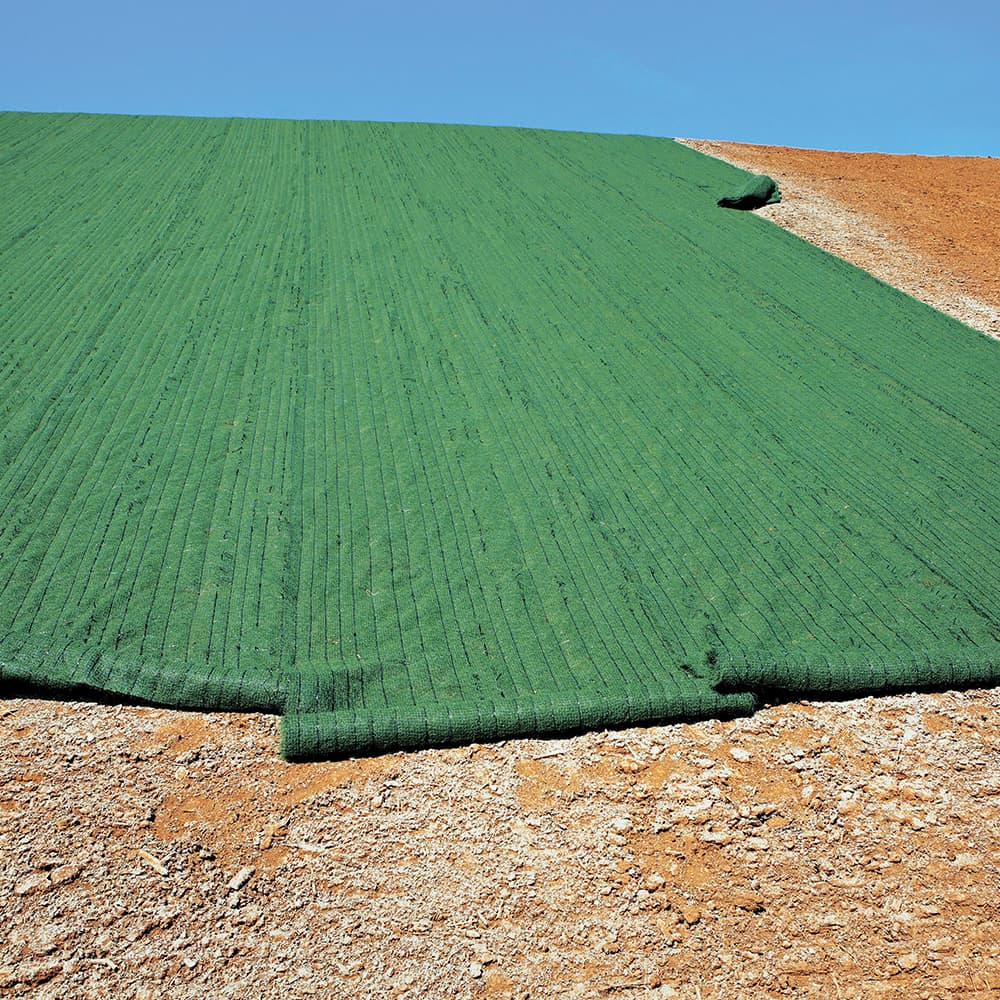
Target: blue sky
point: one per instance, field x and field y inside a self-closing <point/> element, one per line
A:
<point x="918" y="76"/>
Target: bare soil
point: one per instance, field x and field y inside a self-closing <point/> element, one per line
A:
<point x="836" y="850"/>
<point x="926" y="224"/>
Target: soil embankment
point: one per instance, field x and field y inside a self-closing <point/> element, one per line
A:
<point x="927" y="224"/>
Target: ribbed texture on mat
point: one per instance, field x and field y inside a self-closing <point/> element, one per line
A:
<point x="334" y="734"/>
<point x="850" y="672"/>
<point x="423" y="434"/>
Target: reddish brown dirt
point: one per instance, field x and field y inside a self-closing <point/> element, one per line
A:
<point x="844" y="850"/>
<point x="812" y="850"/>
<point x="939" y="211"/>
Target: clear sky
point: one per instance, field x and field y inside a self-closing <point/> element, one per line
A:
<point x="898" y="76"/>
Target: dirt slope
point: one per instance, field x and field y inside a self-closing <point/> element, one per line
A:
<point x="835" y="850"/>
<point x="927" y="224"/>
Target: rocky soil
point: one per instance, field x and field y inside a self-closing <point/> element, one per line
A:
<point x="836" y="850"/>
<point x="843" y="850"/>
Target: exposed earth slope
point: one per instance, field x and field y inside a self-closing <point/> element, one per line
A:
<point x="926" y="224"/>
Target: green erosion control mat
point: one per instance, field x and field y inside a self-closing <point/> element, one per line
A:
<point x="427" y="434"/>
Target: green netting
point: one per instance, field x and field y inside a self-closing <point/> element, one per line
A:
<point x="424" y="434"/>
<point x="758" y="190"/>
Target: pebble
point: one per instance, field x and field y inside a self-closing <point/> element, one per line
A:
<point x="722" y="837"/>
<point x="953" y="983"/>
<point x="154" y="862"/>
<point x="800" y="967"/>
<point x="64" y="874"/>
<point x="32" y="884"/>
<point x="850" y="807"/>
<point x="475" y="970"/>
<point x="38" y="972"/>
<point x="738" y="753"/>
<point x="747" y="901"/>
<point x="968" y="860"/>
<point x="240" y="879"/>
<point x="908" y="962"/>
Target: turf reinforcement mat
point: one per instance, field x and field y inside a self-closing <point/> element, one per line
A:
<point x="424" y="434"/>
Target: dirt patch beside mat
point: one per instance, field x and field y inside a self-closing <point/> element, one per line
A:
<point x="814" y="850"/>
<point x="842" y="849"/>
<point x="927" y="224"/>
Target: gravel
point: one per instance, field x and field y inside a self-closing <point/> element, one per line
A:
<point x="849" y="847"/>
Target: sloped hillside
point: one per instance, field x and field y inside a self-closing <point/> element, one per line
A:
<point x="845" y="848"/>
<point x="426" y="434"/>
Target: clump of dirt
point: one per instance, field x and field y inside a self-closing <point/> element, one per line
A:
<point x="927" y="224"/>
